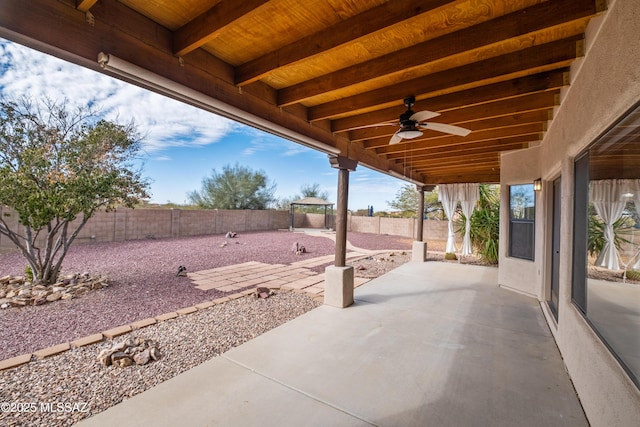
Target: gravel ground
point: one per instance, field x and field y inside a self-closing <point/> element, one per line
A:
<point x="143" y="281"/>
<point x="77" y="378"/>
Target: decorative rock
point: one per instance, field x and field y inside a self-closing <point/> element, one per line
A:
<point x="124" y="362"/>
<point x="118" y="355"/>
<point x="262" y="292"/>
<point x="19" y="292"/>
<point x="54" y="296"/>
<point x="154" y="353"/>
<point x="105" y="357"/>
<point x="127" y="352"/>
<point x="142" y="358"/>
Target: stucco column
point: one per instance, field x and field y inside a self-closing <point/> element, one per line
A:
<point x="338" y="284"/>
<point x="419" y="247"/>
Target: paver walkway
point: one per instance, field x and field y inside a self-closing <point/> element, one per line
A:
<point x="297" y="275"/>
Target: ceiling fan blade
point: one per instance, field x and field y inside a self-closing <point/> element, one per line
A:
<point x="442" y="127"/>
<point x="424" y="115"/>
<point x="395" y="139"/>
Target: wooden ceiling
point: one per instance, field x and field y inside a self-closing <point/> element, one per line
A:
<point x="328" y="69"/>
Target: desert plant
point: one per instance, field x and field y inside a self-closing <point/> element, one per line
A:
<point x="57" y="168"/>
<point x="28" y="273"/>
<point x="450" y="256"/>
<point x="485" y="224"/>
<point x="596" y="240"/>
<point x="633" y="275"/>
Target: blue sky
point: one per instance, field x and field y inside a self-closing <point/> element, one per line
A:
<point x="184" y="144"/>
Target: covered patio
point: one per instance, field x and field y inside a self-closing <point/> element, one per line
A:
<point x="452" y="350"/>
<point x="537" y="83"/>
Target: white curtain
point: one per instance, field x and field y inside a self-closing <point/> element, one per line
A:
<point x="608" y="199"/>
<point x="468" y="194"/>
<point x="447" y="194"/>
<point x="634" y="188"/>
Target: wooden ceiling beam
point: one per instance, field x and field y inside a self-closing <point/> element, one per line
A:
<point x="507" y="118"/>
<point x="506" y="143"/>
<point x="450" y="140"/>
<point x="488" y="177"/>
<point x="85" y="5"/>
<point x="454" y="159"/>
<point x="515" y="25"/>
<point x="346" y="31"/>
<point x="455" y="156"/>
<point x="547" y="81"/>
<point x="493" y="161"/>
<point x="210" y="23"/>
<point x="468" y="168"/>
<point x="551" y="55"/>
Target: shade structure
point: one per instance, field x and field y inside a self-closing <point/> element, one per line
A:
<point x="310" y="201"/>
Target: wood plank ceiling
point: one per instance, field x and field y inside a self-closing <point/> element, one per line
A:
<point x="329" y="69"/>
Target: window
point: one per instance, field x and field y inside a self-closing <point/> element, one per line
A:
<point x="606" y="247"/>
<point x="522" y="224"/>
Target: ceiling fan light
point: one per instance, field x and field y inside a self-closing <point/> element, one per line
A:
<point x="409" y="132"/>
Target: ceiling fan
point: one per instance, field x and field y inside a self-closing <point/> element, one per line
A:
<point x="411" y="123"/>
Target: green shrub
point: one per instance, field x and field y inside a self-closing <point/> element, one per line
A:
<point x="596" y="241"/>
<point x="450" y="256"/>
<point x="28" y="273"/>
<point x="485" y="224"/>
<point x="633" y="275"/>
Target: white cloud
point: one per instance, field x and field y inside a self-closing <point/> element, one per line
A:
<point x="163" y="121"/>
<point x="264" y="142"/>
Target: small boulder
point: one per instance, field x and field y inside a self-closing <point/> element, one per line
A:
<point x="142" y="358"/>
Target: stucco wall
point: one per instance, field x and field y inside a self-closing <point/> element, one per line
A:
<point x="519" y="167"/>
<point x="604" y="84"/>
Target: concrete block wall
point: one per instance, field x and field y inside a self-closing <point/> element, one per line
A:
<point x="432" y="229"/>
<point x="134" y="224"/>
<point x="398" y="226"/>
<point x="312" y="220"/>
<point x="194" y="222"/>
<point x="148" y="223"/>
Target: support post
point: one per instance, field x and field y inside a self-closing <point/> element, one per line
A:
<point x="420" y="213"/>
<point x="419" y="248"/>
<point x="341" y="219"/>
<point x="338" y="288"/>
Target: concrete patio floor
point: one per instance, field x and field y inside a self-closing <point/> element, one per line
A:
<point x="428" y="344"/>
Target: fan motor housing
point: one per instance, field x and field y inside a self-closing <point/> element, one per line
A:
<point x="405" y="118"/>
